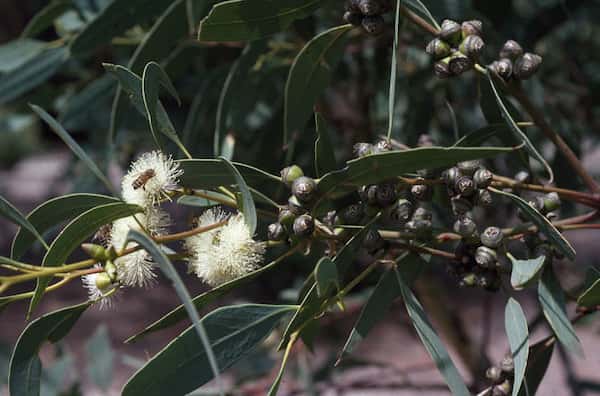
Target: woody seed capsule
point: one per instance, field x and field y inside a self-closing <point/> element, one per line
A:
<point x="460" y="63"/>
<point x="485" y="257"/>
<point x="482" y="177"/>
<point x="472" y="46"/>
<point x="370" y="7"/>
<point x="276" y="232"/>
<point x="441" y="68"/>
<point x="304" y="225"/>
<point x="492" y="237"/>
<point x="511" y="50"/>
<point x="373" y="25"/>
<point x="290" y="174"/>
<point x="471" y="28"/>
<point x="438" y="48"/>
<point x="503" y="68"/>
<point x="465" y="186"/>
<point x="450" y="31"/>
<point x="304" y="189"/>
<point x="527" y="65"/>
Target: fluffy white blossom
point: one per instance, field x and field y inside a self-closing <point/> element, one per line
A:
<point x="136" y="269"/>
<point x="225" y="253"/>
<point x="99" y="288"/>
<point x="149" y="179"/>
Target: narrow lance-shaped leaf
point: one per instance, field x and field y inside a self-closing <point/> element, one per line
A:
<point x="9" y="212"/>
<point x="591" y="296"/>
<point x="309" y="76"/>
<point x="72" y="144"/>
<point x="247" y="202"/>
<point x="552" y="299"/>
<point x="518" y="132"/>
<point x="44" y="18"/>
<point x="431" y="340"/>
<point x="169" y="271"/>
<point x="25" y="366"/>
<point x="324" y="153"/>
<point x="182" y="367"/>
<point x="394" y="70"/>
<point x="76" y="232"/>
<point x="537" y="365"/>
<point x="244" y="20"/>
<point x="525" y="271"/>
<point x="543" y="224"/>
<point x="16" y="53"/>
<point x="515" y="324"/>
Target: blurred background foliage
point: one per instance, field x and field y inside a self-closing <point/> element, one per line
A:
<point x="42" y="62"/>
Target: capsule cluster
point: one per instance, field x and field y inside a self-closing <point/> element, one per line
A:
<point x="368" y="14"/>
<point x="501" y="377"/>
<point x="513" y="63"/>
<point x="456" y="48"/>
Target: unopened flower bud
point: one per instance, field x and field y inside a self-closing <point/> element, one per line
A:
<point x="511" y="50"/>
<point x="290" y="174"/>
<point x="468" y="168"/>
<point x="363" y="149"/>
<point x="503" y="68"/>
<point x="373" y="25"/>
<point x="483" y="177"/>
<point x="96" y="252"/>
<point x="353" y="18"/>
<point x="352" y="214"/>
<point x="421" y="192"/>
<point x="472" y="46"/>
<point x="527" y="65"/>
<point x="494" y="374"/>
<point x="472" y="28"/>
<point x="276" y="232"/>
<point x="422" y="214"/>
<point x="485" y="257"/>
<point x="103" y="282"/>
<point x="402" y="211"/>
<point x="304" y="225"/>
<point x="492" y="237"/>
<point x="551" y="201"/>
<point x="483" y="198"/>
<point x="370" y="7"/>
<point x="438" y="48"/>
<point x="304" y="188"/>
<point x="465" y="186"/>
<point x="286" y="217"/>
<point x="451" y="175"/>
<point x="422" y="228"/>
<point x="460" y="63"/>
<point x="386" y="194"/>
<point x="450" y="31"/>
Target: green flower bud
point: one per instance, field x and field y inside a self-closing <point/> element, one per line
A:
<point x="483" y="177"/>
<point x="373" y="25"/>
<point x="551" y="201"/>
<point x="103" y="282"/>
<point x="460" y="63"/>
<point x="304" y="225"/>
<point x="460" y="206"/>
<point x="421" y="192"/>
<point x="304" y="188"/>
<point x="465" y="186"/>
<point x="472" y="46"/>
<point x="468" y="168"/>
<point x="511" y="50"/>
<point x="438" y="49"/>
<point x="441" y="68"/>
<point x="401" y="212"/>
<point x="494" y="374"/>
<point x="370" y="7"/>
<point x="503" y="68"/>
<point x="465" y="227"/>
<point x="352" y="18"/>
<point x="527" y="65"/>
<point x="96" y="252"/>
<point x="286" y="216"/>
<point x="111" y="270"/>
<point x="484" y="198"/>
<point x="492" y="237"/>
<point x="276" y="232"/>
<point x="450" y="31"/>
<point x="295" y="206"/>
<point x="485" y="257"/>
<point x="471" y="28"/>
<point x="363" y="149"/>
<point x="290" y="174"/>
<point x="386" y="194"/>
<point x="352" y="214"/>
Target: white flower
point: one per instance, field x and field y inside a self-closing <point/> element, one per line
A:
<point x="149" y="179"/>
<point x="225" y="253"/>
<point x="136" y="269"/>
<point x="99" y="288"/>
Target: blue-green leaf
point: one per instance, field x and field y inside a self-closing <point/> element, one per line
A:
<point x="537" y="365"/>
<point x="44" y="18"/>
<point x="524" y="272"/>
<point x="552" y="299"/>
<point x="246" y="202"/>
<point x="591" y="296"/>
<point x="9" y="212"/>
<point x="515" y="323"/>
<point x="72" y="144"/>
<point x="16" y="53"/>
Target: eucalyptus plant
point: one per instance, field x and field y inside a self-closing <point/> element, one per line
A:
<point x="404" y="206"/>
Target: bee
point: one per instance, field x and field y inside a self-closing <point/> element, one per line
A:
<point x="142" y="179"/>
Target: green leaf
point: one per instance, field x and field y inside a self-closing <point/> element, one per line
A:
<point x="156" y="45"/>
<point x="154" y="77"/>
<point x="326" y="275"/>
<point x="53" y="212"/>
<point x="231" y="89"/>
<point x="537" y="365"/>
<point x="430" y="339"/>
<point x="17" y="52"/>
<point x="72" y="144"/>
<point x="245" y="20"/>
<point x="115" y="19"/>
<point x="481" y="135"/>
<point x="393" y="70"/>
<point x="12" y="214"/>
<point x="191" y="200"/>
<point x="525" y="271"/>
<point x="212" y="173"/>
<point x="375" y="168"/>
<point x="32" y="73"/>
<point x="76" y="232"/>
<point x="309" y="76"/>
<point x="169" y="271"/>
<point x="517" y="131"/>
<point x="591" y="296"/>
<point x="178" y="314"/>
<point x="25" y="365"/>
<point x="182" y="367"/>
<point x="543" y="224"/>
<point x="45" y="17"/>
<point x="552" y="299"/>
<point x="515" y="324"/>
<point x="324" y="152"/>
<point x="81" y="110"/>
<point x="100" y="358"/>
<point x="245" y="202"/>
